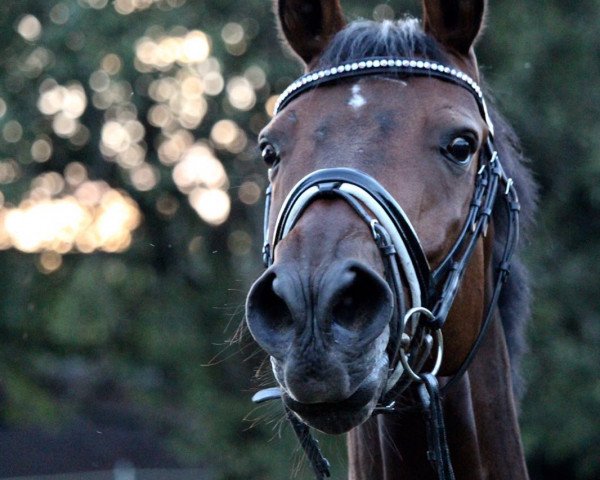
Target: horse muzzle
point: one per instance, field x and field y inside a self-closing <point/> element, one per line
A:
<point x="323" y="335"/>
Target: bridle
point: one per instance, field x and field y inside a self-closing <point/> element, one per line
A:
<point x="418" y="317"/>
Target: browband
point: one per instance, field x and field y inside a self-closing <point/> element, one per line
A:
<point x="384" y="65"/>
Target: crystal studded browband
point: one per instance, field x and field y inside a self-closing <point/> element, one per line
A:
<point x="383" y="65"/>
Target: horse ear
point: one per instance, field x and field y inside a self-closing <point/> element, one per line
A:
<point x="454" y="23"/>
<point x="309" y="25"/>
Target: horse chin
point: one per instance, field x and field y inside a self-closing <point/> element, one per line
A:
<point x="332" y="418"/>
<point x="339" y="417"/>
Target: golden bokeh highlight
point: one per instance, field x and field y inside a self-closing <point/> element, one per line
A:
<point x="30" y="28"/>
<point x="211" y="204"/>
<point x="144" y="177"/>
<point x="201" y="176"/>
<point x="67" y="212"/>
<point x="187" y="75"/>
<point x="226" y="134"/>
<point x="213" y="83"/>
<point x="174" y="145"/>
<point x="95" y="4"/>
<point x="64" y="104"/>
<point x="249" y="192"/>
<point x="240" y="93"/>
<point x="180" y="101"/>
<point x="199" y="167"/>
<point x="69" y="100"/>
<point x="126" y="7"/>
<point x="49" y="262"/>
<point x="75" y="174"/>
<point x="270" y="105"/>
<point x="234" y="37"/>
<point x="94" y="217"/>
<point x="41" y="149"/>
<point x="9" y="171"/>
<point x="111" y="64"/>
<point x="256" y="76"/>
<point x="162" y="53"/>
<point x="232" y="33"/>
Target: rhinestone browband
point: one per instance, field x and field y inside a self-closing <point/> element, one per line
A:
<point x="374" y="66"/>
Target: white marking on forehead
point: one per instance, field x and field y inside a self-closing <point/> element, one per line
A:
<point x="357" y="100"/>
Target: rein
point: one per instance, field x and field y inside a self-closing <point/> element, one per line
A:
<point x="417" y="321"/>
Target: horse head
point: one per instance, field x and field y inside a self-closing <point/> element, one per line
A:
<point x="325" y="310"/>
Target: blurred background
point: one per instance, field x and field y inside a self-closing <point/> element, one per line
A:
<point x="130" y="210"/>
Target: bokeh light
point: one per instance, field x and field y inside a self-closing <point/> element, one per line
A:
<point x="167" y="205"/>
<point x="240" y="93"/>
<point x="270" y="105"/>
<point x="249" y="192"/>
<point x="75" y="174"/>
<point x="199" y="167"/>
<point x="29" y="28"/>
<point x="234" y="36"/>
<point x="94" y="217"/>
<point x="211" y="204"/>
<point x="226" y="134"/>
<point x="9" y="171"/>
<point x="383" y="12"/>
<point x="50" y="262"/>
<point x="12" y="131"/>
<point x="239" y="242"/>
<point x="179" y="76"/>
<point x="96" y="4"/>
<point x="162" y="53"/>
<point x="60" y="13"/>
<point x="126" y="7"/>
<point x="64" y="105"/>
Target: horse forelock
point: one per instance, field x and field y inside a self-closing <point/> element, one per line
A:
<point x="366" y="38"/>
<point x="406" y="39"/>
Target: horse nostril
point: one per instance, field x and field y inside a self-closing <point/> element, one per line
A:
<point x="361" y="304"/>
<point x="268" y="315"/>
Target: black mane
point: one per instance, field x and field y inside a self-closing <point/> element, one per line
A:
<point x="406" y="39"/>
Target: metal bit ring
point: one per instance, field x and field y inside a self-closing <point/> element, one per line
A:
<point x="440" y="346"/>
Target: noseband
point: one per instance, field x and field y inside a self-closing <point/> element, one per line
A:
<point x="417" y="321"/>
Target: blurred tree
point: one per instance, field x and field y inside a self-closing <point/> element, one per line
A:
<point x="544" y="65"/>
<point x="130" y="222"/>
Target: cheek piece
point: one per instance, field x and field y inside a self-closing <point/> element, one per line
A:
<point x="415" y="327"/>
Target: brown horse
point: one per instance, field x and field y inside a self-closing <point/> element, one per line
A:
<point x="411" y="136"/>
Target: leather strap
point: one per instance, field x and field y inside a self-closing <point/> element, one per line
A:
<point x="438" y="452"/>
<point x="310" y="445"/>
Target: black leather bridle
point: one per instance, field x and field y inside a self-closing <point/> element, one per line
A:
<point x="431" y="292"/>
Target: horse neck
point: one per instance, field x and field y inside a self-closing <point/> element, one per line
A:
<point x="481" y="423"/>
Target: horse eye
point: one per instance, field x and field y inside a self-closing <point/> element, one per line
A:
<point x="269" y="154"/>
<point x="460" y="150"/>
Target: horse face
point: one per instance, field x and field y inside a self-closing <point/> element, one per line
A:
<point x="322" y="310"/>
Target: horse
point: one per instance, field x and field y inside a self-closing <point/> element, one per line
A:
<point x="391" y="224"/>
